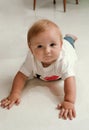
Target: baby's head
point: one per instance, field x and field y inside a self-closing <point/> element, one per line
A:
<point x="40" y="27"/>
<point x="45" y="41"/>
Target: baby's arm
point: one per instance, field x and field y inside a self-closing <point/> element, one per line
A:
<point x="67" y="109"/>
<point x="14" y="96"/>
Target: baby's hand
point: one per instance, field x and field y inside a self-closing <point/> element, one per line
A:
<point x="10" y="101"/>
<point x="67" y="110"/>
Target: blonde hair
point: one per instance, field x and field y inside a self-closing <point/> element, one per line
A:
<point x="41" y="26"/>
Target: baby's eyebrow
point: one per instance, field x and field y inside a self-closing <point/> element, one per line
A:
<point x="36" y="43"/>
<point x="40" y="43"/>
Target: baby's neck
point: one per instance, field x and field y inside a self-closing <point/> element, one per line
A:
<point x="45" y="64"/>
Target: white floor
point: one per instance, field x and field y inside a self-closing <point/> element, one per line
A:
<point x="37" y="110"/>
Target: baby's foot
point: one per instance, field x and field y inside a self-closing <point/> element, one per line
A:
<point x="72" y="36"/>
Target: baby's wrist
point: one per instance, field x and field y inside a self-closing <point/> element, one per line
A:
<point x="15" y="93"/>
<point x="69" y="101"/>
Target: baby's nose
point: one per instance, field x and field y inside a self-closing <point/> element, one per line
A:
<point x="47" y="50"/>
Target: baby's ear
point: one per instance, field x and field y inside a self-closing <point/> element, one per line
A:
<point x="61" y="43"/>
<point x="30" y="48"/>
<point x="29" y="44"/>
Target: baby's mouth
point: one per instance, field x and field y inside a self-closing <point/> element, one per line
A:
<point x="47" y="56"/>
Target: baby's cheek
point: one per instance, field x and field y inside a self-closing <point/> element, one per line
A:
<point x="38" y="56"/>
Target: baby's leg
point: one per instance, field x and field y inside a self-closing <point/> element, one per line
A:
<point x="70" y="38"/>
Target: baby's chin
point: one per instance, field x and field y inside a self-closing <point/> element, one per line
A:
<point x="47" y="63"/>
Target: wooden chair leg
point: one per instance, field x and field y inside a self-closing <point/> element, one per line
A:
<point x="54" y="1"/>
<point x="76" y="1"/>
<point x="64" y="5"/>
<point x="34" y="4"/>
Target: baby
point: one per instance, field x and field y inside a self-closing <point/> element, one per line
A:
<point x="50" y="57"/>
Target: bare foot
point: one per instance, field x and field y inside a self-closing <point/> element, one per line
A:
<point x="71" y="35"/>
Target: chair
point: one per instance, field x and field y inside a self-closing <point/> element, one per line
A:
<point x="54" y="2"/>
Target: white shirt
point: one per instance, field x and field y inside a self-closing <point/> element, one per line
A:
<point x="63" y="67"/>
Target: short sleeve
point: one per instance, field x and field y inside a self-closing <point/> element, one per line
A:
<point x="27" y="66"/>
<point x="68" y="70"/>
<point x="69" y="62"/>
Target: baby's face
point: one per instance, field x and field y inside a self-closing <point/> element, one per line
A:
<point x="46" y="46"/>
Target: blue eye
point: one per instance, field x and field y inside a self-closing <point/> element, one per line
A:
<point x="52" y="44"/>
<point x="39" y="46"/>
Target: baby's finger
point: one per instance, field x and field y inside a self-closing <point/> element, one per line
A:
<point x="65" y="114"/>
<point x="74" y="113"/>
<point x="61" y="113"/>
<point x="70" y="114"/>
<point x="11" y="104"/>
<point x="18" y="102"/>
<point x="59" y="106"/>
<point x="5" y="102"/>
